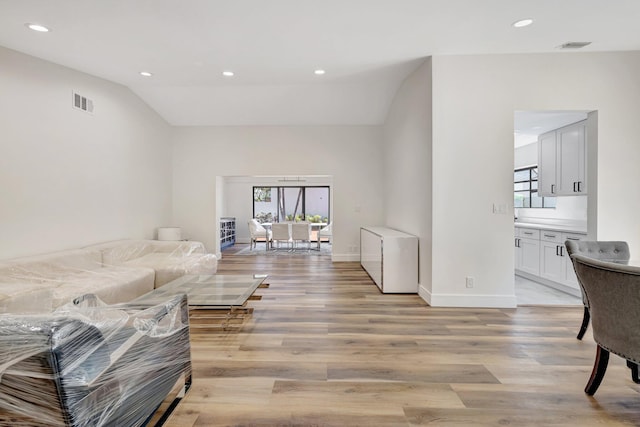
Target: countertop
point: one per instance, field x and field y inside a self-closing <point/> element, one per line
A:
<point x="552" y="227"/>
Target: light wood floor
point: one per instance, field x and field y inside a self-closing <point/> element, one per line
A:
<point x="325" y="348"/>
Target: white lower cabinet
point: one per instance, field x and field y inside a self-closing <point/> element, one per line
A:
<point x="551" y="263"/>
<point x="528" y="255"/>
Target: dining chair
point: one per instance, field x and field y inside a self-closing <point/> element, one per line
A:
<point x="613" y="293"/>
<point x="280" y="232"/>
<point x="257" y="231"/>
<point x="301" y="232"/>
<point x="325" y="232"/>
<point x="602" y="250"/>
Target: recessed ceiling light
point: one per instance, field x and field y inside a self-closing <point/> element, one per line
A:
<point x="319" y="72"/>
<point x="227" y="73"/>
<point x="37" y="27"/>
<point x="523" y="23"/>
<point x="145" y="73"/>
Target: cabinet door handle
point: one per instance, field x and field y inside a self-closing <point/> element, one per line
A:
<point x="552" y="236"/>
<point x="562" y="251"/>
<point x="528" y="233"/>
<point x="573" y="238"/>
<point x="579" y="186"/>
<point x="553" y="188"/>
<point x="574" y="186"/>
<point x="557" y="250"/>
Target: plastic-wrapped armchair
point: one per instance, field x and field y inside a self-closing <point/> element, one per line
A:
<point x="602" y="250"/>
<point x="613" y="293"/>
<point x="257" y="231"/>
<point x="326" y="233"/>
<point x="90" y="364"/>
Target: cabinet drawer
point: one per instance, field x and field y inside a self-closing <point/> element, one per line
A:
<point x="551" y="236"/>
<point x="573" y="236"/>
<point x="529" y="233"/>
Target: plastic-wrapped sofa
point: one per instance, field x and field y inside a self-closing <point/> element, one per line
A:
<point x="116" y="272"/>
<point x="169" y="259"/>
<point x="90" y="364"/>
<point x="41" y="283"/>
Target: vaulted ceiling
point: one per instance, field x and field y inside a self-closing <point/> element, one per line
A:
<point x="273" y="47"/>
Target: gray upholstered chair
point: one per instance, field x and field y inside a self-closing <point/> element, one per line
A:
<point x="613" y="293"/>
<point x="602" y="250"/>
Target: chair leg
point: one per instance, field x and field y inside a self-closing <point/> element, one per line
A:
<point x="634" y="371"/>
<point x="599" y="368"/>
<point x="585" y="323"/>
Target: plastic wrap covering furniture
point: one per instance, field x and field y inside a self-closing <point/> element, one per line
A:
<point x="43" y="282"/>
<point x="91" y="364"/>
<point x="168" y="259"/>
<point x="257" y="231"/>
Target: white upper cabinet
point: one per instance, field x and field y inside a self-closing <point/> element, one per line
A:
<point x="547" y="164"/>
<point x="562" y="159"/>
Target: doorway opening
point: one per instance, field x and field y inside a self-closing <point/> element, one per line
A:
<point x="554" y="177"/>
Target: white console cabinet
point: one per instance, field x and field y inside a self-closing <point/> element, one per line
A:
<point x="390" y="257"/>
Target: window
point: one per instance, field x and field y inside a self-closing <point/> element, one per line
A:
<point x="276" y="204"/>
<point x="525" y="190"/>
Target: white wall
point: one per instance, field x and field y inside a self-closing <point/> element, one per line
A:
<point x="352" y="155"/>
<point x="407" y="154"/>
<point x="68" y="178"/>
<point x="473" y="105"/>
<point x="526" y="155"/>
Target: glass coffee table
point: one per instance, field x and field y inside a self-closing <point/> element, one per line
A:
<point x="214" y="300"/>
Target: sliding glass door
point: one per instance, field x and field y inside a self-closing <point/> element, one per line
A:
<point x="279" y="204"/>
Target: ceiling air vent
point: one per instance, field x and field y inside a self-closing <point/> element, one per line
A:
<point x="574" y="45"/>
<point x="82" y="103"/>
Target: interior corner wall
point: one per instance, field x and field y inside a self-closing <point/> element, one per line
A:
<point x="474" y="98"/>
<point x="352" y="155"/>
<point x="407" y="154"/>
<point x="69" y="178"/>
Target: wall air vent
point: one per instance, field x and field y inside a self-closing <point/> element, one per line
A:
<point x="574" y="45"/>
<point x="82" y="103"/>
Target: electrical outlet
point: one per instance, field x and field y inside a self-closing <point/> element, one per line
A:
<point x="469" y="282"/>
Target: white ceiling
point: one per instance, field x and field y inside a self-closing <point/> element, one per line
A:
<point x="367" y="47"/>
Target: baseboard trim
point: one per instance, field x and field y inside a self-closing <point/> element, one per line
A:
<point x="345" y="257"/>
<point x="467" y="301"/>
